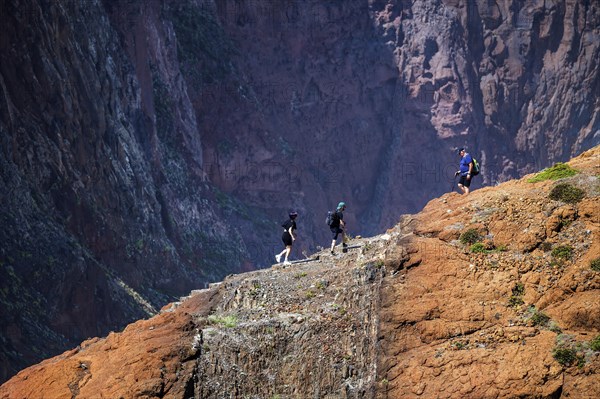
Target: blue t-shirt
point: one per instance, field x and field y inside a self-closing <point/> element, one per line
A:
<point x="464" y="164"/>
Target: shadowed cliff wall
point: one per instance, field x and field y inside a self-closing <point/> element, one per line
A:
<point x="150" y="147"/>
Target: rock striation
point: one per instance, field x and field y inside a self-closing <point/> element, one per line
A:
<point x="412" y="313"/>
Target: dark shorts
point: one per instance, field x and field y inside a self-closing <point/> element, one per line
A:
<point x="464" y="181"/>
<point x="287" y="239"/>
<point x="335" y="231"/>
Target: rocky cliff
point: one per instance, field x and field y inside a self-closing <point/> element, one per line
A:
<point x="151" y="147"/>
<point x="368" y="99"/>
<point x="491" y="295"/>
<point x="106" y="211"/>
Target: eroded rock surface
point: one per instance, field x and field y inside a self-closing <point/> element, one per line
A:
<point x="412" y="313"/>
<point x="150" y="147"/>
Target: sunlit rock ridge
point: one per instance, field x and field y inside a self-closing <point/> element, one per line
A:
<point x="491" y="295"/>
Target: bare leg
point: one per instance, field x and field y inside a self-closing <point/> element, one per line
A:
<point x="287" y="251"/>
<point x="279" y="255"/>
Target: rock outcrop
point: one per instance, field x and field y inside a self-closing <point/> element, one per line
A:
<point x="368" y="99"/>
<point x="151" y="147"/>
<point x="106" y="211"/>
<point x="413" y="313"/>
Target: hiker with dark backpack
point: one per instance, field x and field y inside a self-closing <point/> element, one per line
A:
<point x="288" y="237"/>
<point x="336" y="223"/>
<point x="468" y="168"/>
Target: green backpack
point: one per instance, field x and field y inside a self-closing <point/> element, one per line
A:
<point x="475" y="170"/>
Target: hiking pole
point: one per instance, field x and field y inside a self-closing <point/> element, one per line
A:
<point x="453" y="182"/>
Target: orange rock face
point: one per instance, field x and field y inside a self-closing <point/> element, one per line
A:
<point x="150" y="358"/>
<point x="456" y="327"/>
<point x="413" y="313"/>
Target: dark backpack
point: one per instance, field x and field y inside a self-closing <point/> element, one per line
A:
<point x="476" y="169"/>
<point x="331" y="218"/>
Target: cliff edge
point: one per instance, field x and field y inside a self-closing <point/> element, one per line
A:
<point x="491" y="295"/>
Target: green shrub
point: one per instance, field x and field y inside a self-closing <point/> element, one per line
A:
<point x="459" y="345"/>
<point x="564" y="356"/>
<point x="516" y="297"/>
<point x="558" y="171"/>
<point x="229" y="321"/>
<point x="518" y="289"/>
<point x="515" y="301"/>
<point x="545" y="246"/>
<point x="555" y="328"/>
<point x="566" y="193"/>
<point x="478" y="247"/>
<point x="564" y="252"/>
<point x="595" y="344"/>
<point x="470" y="237"/>
<point x="595" y="264"/>
<point x="540" y="318"/>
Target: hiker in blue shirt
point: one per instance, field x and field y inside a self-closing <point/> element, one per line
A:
<point x="465" y="170"/>
<point x="288" y="237"/>
<point x="338" y="226"/>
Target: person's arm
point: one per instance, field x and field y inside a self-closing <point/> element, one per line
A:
<point x="470" y="167"/>
<point x="290" y="230"/>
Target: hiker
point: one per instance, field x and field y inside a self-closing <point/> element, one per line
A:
<point x="288" y="237"/>
<point x="338" y="226"/>
<point x="465" y="171"/>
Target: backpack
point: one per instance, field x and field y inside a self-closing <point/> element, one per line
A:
<point x="332" y="217"/>
<point x="329" y="219"/>
<point x="476" y="169"/>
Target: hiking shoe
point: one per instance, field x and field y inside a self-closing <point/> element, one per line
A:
<point x="333" y="252"/>
<point x="344" y="245"/>
<point x="278" y="258"/>
<point x="287" y="262"/>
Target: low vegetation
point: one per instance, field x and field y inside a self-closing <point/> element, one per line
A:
<point x="516" y="299"/>
<point x="482" y="248"/>
<point x="595" y="264"/>
<point x="557" y="171"/>
<point x="470" y="237"/>
<point x="595" y="344"/>
<point x="228" y="321"/>
<point x="554" y="327"/>
<point x="568" y="352"/>
<point x="566" y="193"/>
<point x="540" y="319"/>
<point x="546" y="246"/>
<point x="565" y="356"/>
<point x="563" y="252"/>
<point x="478" y="247"/>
